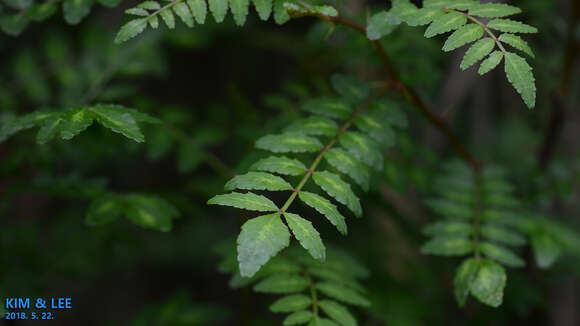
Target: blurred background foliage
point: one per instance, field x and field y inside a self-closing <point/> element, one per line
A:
<point x="217" y="88"/>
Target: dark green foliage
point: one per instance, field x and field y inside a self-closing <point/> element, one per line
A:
<point x="328" y="131"/>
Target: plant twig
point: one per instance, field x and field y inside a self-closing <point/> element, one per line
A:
<point x="557" y="116"/>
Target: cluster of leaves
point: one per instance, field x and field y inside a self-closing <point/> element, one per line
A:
<point x="464" y="18"/>
<point x="148" y="211"/>
<point x="71" y="122"/>
<point x="315" y="293"/>
<point x="264" y="236"/>
<point x="195" y="11"/>
<point x="27" y="11"/>
<point x="476" y="206"/>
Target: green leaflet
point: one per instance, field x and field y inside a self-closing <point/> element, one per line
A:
<point x="314" y="126"/>
<point x="75" y="10"/>
<point x="329" y="107"/>
<point x="342" y="293"/>
<point x="516" y="42"/>
<point x="337" y="312"/>
<point x="49" y="130"/>
<point x="347" y="164"/>
<point x="382" y="24"/>
<point x="103" y="210"/>
<point x="339" y="190"/>
<point x="239" y="10"/>
<point x="291" y="303"/>
<point x="448" y="228"/>
<point x="448" y="246"/>
<point x="264" y="8"/>
<point x="219" y="9"/>
<point x="546" y="249"/>
<point x="450" y="4"/>
<point x="519" y="74"/>
<point x="450" y="208"/>
<point x="281" y="165"/>
<point x="490" y="63"/>
<point x="493" y="10"/>
<point x="280" y="14"/>
<point x="350" y="88"/>
<point x="297" y="318"/>
<point x="501" y="255"/>
<point x="282" y="284"/>
<point x="182" y="11"/>
<point x="307" y="235"/>
<point x="489" y="283"/>
<point x="332" y="275"/>
<point x="247" y="201"/>
<point x="75" y="122"/>
<point x="388" y="111"/>
<point x="462" y="36"/>
<point x="446" y="23"/>
<point x="422" y="16"/>
<point x="150" y="212"/>
<point x="168" y="18"/>
<point x="373" y="124"/>
<point x="149" y="5"/>
<point x="289" y="142"/>
<point x="261" y="239"/>
<point x="500" y="234"/>
<point x="130" y="30"/>
<point x="326" y="208"/>
<point x="511" y="26"/>
<point x="464" y="277"/>
<point x="257" y="181"/>
<point x="321" y="322"/>
<point x="118" y="120"/>
<point x="199" y="10"/>
<point x="363" y="148"/>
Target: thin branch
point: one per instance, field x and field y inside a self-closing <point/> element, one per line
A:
<point x="557" y="116"/>
<point x="411" y="94"/>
